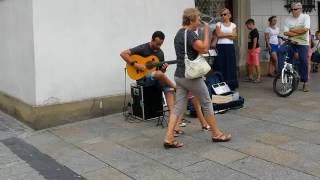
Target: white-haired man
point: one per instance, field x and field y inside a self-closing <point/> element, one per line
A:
<point x="296" y="27"/>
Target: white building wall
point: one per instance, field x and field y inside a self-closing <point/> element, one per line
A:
<point x="17" y="75"/>
<point x="261" y="10"/>
<point x="78" y="42"/>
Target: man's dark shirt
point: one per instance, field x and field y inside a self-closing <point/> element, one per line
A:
<point x="253" y="34"/>
<point x="145" y="50"/>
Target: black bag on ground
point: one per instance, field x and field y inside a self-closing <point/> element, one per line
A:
<point x="222" y="108"/>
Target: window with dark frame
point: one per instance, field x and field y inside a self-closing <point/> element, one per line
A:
<point x="212" y="8"/>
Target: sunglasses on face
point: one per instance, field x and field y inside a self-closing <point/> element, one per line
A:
<point x="223" y="14"/>
<point x="295" y="9"/>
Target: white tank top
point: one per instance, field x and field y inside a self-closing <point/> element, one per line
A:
<point x="225" y="29"/>
<point x="273" y="35"/>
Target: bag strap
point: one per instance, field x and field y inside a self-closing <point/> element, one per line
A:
<point x="185" y="44"/>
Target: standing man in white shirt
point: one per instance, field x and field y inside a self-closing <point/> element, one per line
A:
<point x="296" y="27"/>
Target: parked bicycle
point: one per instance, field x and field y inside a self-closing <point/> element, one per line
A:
<point x="287" y="80"/>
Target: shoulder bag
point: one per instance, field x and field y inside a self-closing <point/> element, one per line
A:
<point x="194" y="68"/>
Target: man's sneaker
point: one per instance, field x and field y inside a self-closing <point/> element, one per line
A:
<point x="305" y="88"/>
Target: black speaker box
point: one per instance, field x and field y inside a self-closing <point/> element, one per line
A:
<point x="147" y="102"/>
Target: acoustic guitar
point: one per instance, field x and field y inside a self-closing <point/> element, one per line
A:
<point x="151" y="62"/>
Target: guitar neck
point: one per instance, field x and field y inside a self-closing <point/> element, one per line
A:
<point x="150" y="65"/>
<point x="169" y="62"/>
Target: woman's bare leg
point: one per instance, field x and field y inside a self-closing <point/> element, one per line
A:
<point x="159" y="75"/>
<point x="169" y="138"/>
<point x="211" y="119"/>
<point x="197" y="107"/>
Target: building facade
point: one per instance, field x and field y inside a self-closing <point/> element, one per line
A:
<point x="60" y="58"/>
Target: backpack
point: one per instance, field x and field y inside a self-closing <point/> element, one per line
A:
<point x="213" y="78"/>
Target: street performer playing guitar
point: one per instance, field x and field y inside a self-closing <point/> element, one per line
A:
<point x="146" y="50"/>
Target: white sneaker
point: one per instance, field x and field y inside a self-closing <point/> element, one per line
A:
<point x="206" y="128"/>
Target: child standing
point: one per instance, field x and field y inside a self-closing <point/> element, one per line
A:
<point x="253" y="63"/>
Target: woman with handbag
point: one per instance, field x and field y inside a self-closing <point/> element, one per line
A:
<point x="188" y="76"/>
<point x="225" y="62"/>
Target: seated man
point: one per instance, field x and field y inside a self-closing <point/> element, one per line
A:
<point x="147" y="49"/>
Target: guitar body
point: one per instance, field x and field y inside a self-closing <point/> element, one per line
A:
<point x="136" y="74"/>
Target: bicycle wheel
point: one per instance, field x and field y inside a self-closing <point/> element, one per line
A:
<point x="296" y="80"/>
<point x="284" y="89"/>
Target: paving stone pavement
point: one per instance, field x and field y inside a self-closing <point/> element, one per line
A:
<point x="273" y="139"/>
<point x="10" y="127"/>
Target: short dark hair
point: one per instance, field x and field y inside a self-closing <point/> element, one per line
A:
<point x="271" y="18"/>
<point x="158" y="34"/>
<point x="250" y="21"/>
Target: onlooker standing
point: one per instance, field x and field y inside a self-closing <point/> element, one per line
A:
<point x="226" y="59"/>
<point x="316" y="52"/>
<point x="253" y="52"/>
<point x="296" y="27"/>
<point x="272" y="43"/>
<point x="309" y="55"/>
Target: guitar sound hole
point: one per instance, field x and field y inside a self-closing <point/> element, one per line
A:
<point x="152" y="59"/>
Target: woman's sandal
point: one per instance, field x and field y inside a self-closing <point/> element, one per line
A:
<point x="177" y="133"/>
<point x="222" y="138"/>
<point x="174" y="144"/>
